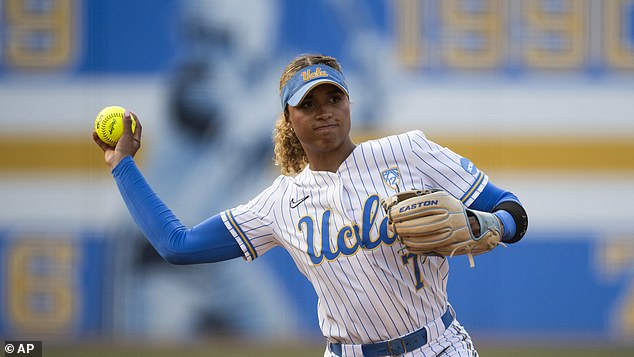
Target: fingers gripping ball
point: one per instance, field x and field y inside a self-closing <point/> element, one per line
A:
<point x="109" y="124"/>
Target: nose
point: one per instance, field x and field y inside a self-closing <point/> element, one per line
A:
<point x="323" y="112"/>
<point x="324" y="116"/>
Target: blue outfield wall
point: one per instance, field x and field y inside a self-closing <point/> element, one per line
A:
<point x="548" y="285"/>
<point x="542" y="287"/>
<point x="54" y="285"/>
<point x="551" y="284"/>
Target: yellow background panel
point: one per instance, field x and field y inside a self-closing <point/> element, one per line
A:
<point x="79" y="153"/>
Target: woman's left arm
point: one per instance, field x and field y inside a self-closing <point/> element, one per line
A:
<point x="506" y="207"/>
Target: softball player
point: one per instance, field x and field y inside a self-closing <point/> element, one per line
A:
<point x="375" y="298"/>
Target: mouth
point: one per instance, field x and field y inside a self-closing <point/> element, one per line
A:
<point x="327" y="126"/>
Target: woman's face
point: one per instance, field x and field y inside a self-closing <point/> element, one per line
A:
<point x="322" y="120"/>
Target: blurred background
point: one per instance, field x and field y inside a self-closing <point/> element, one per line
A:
<point x="538" y="93"/>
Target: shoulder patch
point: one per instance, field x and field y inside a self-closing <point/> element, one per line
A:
<point x="468" y="166"/>
<point x="391" y="177"/>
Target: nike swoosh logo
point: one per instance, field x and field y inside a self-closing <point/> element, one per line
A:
<point x="298" y="202"/>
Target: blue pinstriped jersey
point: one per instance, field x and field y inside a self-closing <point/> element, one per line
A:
<point x="369" y="288"/>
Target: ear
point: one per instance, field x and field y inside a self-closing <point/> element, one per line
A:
<point x="287" y="119"/>
<point x="287" y="115"/>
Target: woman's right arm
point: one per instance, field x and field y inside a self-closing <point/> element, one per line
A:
<point x="209" y="241"/>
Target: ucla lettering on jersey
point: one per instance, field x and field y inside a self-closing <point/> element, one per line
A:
<point x="349" y="237"/>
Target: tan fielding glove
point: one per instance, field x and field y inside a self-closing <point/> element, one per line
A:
<point x="432" y="222"/>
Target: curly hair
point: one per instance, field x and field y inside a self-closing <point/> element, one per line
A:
<point x="289" y="153"/>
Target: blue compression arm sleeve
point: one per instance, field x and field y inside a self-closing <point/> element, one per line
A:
<point x="492" y="196"/>
<point x="208" y="242"/>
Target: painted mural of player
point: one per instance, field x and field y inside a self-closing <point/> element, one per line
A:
<point x="205" y="120"/>
<point x="375" y="297"/>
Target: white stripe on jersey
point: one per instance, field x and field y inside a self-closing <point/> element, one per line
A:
<point x="331" y="224"/>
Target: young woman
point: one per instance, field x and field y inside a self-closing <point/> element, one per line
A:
<point x="375" y="298"/>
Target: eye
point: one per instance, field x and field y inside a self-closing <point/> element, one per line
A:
<point x="336" y="98"/>
<point x="306" y="104"/>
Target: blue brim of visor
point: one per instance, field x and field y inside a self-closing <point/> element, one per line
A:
<point x="308" y="78"/>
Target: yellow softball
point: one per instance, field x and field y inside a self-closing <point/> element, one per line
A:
<point x="109" y="124"/>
